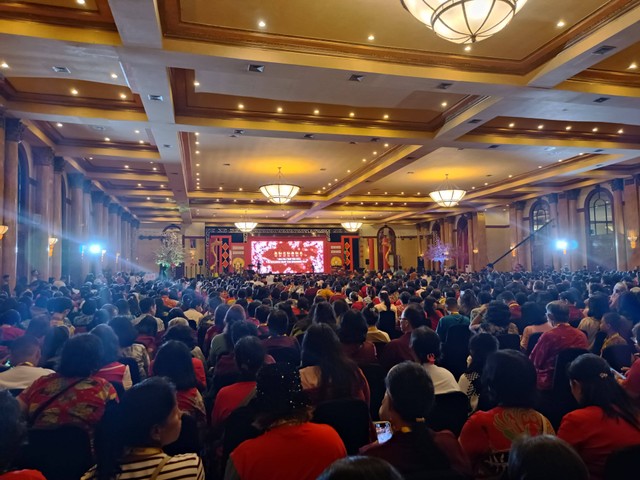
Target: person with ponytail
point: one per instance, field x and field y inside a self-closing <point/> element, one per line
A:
<point x="385" y="304"/>
<point x="130" y="437"/>
<point x="414" y="448"/>
<point x="607" y="419"/>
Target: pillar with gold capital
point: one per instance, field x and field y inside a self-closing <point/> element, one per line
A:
<point x="617" y="186"/>
<point x="112" y="248"/>
<point x="43" y="231"/>
<point x="554" y="230"/>
<point x="97" y="222"/>
<point x="572" y="228"/>
<point x="56" y="218"/>
<point x="14" y="130"/>
<point x="78" y="250"/>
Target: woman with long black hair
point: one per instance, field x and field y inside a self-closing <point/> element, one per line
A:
<point x="130" y="438"/>
<point x="607" y="418"/>
<point x="414" y="448"/>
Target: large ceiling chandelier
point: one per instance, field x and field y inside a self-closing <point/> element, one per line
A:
<point x="245" y="227"/>
<point x="279" y="192"/>
<point x="464" y="21"/>
<point x="447" y="194"/>
<point x="351" y="226"/>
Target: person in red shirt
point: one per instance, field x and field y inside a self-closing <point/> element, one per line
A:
<point x="8" y="322"/>
<point x="292" y="446"/>
<point x="561" y="337"/>
<point x="608" y="418"/>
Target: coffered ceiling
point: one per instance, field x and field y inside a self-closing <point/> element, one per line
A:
<point x="181" y="109"/>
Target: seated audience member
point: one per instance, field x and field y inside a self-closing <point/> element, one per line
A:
<point x="9" y="322"/>
<point x="631" y="383"/>
<point x="374" y="334"/>
<point x="110" y="369"/>
<point x="193" y="309"/>
<point x="575" y="314"/>
<point x="477" y="314"/>
<point x="24" y="356"/>
<point x="88" y="310"/>
<point x="561" y="337"/>
<point x="425" y="343"/>
<point x="226" y="364"/>
<point x="510" y="380"/>
<point x="261" y="315"/>
<point x="174" y="362"/>
<point x="356" y="303"/>
<point x="324" y="313"/>
<point x="591" y="324"/>
<point x="607" y="419"/>
<point x="221" y="343"/>
<point x="54" y="340"/>
<point x="384" y="304"/>
<point x="249" y="355"/>
<point x="13" y="433"/>
<point x="414" y="448"/>
<point x="399" y="350"/>
<point x="353" y="336"/>
<point x="433" y="313"/>
<point x="186" y="335"/>
<point x="278" y="322"/>
<point x="480" y="347"/>
<point x="497" y="320"/>
<point x="59" y="308"/>
<point x="453" y="317"/>
<point x="613" y="325"/>
<point x="515" y="310"/>
<point x="147" y="329"/>
<point x="127" y="335"/>
<point x="291" y="447"/>
<point x="339" y="309"/>
<point x="326" y="372"/>
<point x="79" y="397"/>
<point x="360" y="468"/>
<point x="148" y="308"/>
<point x="535" y="319"/>
<point x="467" y="302"/>
<point x="38" y="328"/>
<point x="130" y="439"/>
<point x="545" y="457"/>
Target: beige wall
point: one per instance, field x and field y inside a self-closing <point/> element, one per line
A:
<point x="498" y="237"/>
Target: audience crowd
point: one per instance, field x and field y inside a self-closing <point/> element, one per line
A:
<point x="370" y="375"/>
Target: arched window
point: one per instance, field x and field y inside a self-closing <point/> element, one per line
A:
<point x="601" y="239"/>
<point x="23" y="220"/>
<point x="539" y="215"/>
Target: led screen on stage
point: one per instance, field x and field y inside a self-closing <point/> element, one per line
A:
<point x="287" y="256"/>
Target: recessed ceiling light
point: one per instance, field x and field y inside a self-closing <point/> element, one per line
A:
<point x="632" y="66"/>
<point x="386" y="193"/>
<point x="139" y="184"/>
<point x="486" y="183"/>
<point x="4" y="65"/>
<point x="418" y="193"/>
<point x="197" y="164"/>
<point x="473" y="188"/>
<point x="559" y="161"/>
<point x="148" y="198"/>
<point x="240" y="106"/>
<point x="329" y="184"/>
<point x="262" y="24"/>
<point x="386" y="144"/>
<point x="351" y="114"/>
<point x="58" y="124"/>
<point x="136" y="131"/>
<point x="197" y="152"/>
<point x="74" y="91"/>
<point x="385" y="117"/>
<point x="198" y="174"/>
<point x="197" y="133"/>
<point x="114" y="75"/>
<point x="364" y="159"/>
<point x="621" y="131"/>
<point x="141" y="141"/>
<point x="371" y="38"/>
<point x="126" y="166"/>
<point x="219" y="188"/>
<point x="348" y="171"/>
<point x="279" y="109"/>
<point x="444" y="104"/>
<point x="155" y="169"/>
<point x="567" y="128"/>
<point x="375" y="153"/>
<point x="197" y="143"/>
<point x="539" y="166"/>
<point x="80" y="2"/>
<point x="123" y="96"/>
<point x="594" y="129"/>
<point x="161" y="186"/>
<point x="467" y="48"/>
<point x="316" y="112"/>
<point x="324" y="188"/>
<point x="107" y="139"/>
<point x="560" y="24"/>
<point x="240" y="189"/>
<point x="511" y="125"/>
<point x="196" y="83"/>
<point x="540" y="127"/>
<point x="510" y="176"/>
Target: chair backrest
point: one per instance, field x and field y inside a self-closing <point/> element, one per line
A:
<point x="379" y="348"/>
<point x="133" y="368"/>
<point x="618" y="356"/>
<point x="455" y="349"/>
<point x="598" y="342"/>
<point x="285" y="355"/>
<point x="533" y="340"/>
<point x="63" y="453"/>
<point x="350" y="418"/>
<point x="509" y="341"/>
<point x="387" y="323"/>
<point x="459" y="335"/>
<point x="375" y="375"/>
<point x="622" y="464"/>
<point x="560" y="377"/>
<point x="450" y="412"/>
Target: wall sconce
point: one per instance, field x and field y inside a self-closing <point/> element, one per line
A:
<point x="513" y="250"/>
<point x="475" y="251"/>
<point x="103" y="253"/>
<point x="52" y="242"/>
<point x="3" y="230"/>
<point x="632" y="237"/>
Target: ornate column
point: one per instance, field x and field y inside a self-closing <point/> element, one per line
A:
<point x="520" y="232"/>
<point x="480" y="240"/>
<point x="119" y="238"/>
<point x="43" y="161"/>
<point x="617" y="186"/>
<point x="13" y="136"/>
<point x="125" y="241"/>
<point x="113" y="236"/>
<point x="87" y="233"/>
<point x="554" y="228"/>
<point x="78" y="252"/>
<point x="56" y="218"/>
<point x="97" y="230"/>
<point x="573" y="227"/>
<point x="135" y="225"/>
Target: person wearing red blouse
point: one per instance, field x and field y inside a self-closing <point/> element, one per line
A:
<point x="562" y="337"/>
<point x="608" y="418"/>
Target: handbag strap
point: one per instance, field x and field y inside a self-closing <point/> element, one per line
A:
<point x="159" y="468"/>
<point x="38" y="411"/>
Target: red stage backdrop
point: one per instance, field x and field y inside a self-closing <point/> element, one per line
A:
<point x="288" y="255"/>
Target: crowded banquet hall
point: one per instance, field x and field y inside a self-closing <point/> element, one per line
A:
<point x="319" y="240"/>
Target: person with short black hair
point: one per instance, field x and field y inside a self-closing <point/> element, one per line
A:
<point x="353" y="337"/>
<point x="111" y="369"/>
<point x="360" y="468"/>
<point x="535" y="319"/>
<point x="545" y="457"/>
<point x="453" y="317"/>
<point x="148" y="308"/>
<point x="497" y="320"/>
<point x="399" y="349"/>
<point x="24" y="358"/>
<point x="426" y="345"/>
<point x="509" y="379"/>
<point x="79" y="397"/>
